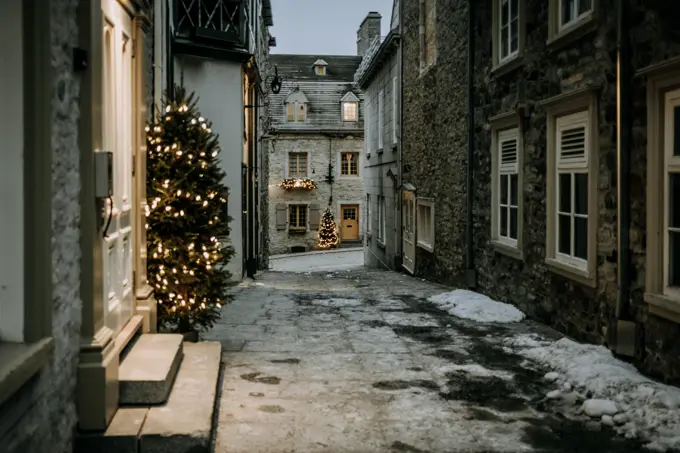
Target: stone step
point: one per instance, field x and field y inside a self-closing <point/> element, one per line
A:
<point x="149" y="369"/>
<point x="183" y="424"/>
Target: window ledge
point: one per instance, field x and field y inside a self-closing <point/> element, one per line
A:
<point x="348" y="177"/>
<point x="508" y="250"/>
<point x="663" y="306"/>
<point x="508" y="65"/>
<point x="574" y="273"/>
<point x="380" y="150"/>
<point x="573" y="32"/>
<point x="425" y="246"/>
<point x="381" y="244"/>
<point x="294" y="232"/>
<point x="19" y="362"/>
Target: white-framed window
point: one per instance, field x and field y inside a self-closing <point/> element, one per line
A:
<point x="425" y="224"/>
<point x="428" y="33"/>
<point x="349" y="164"/>
<point x="350" y="111"/>
<point x="368" y="127"/>
<point x="381" y="118"/>
<point x="671" y="197"/>
<point x="296" y="112"/>
<point x="297" y="217"/>
<point x="508" y="29"/>
<point x="381" y="218"/>
<point x="395" y="104"/>
<point x="297" y="164"/>
<point x="508" y="187"/>
<point x="369" y="213"/>
<point x="572" y="11"/>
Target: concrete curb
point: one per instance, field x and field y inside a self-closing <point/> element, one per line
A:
<point x="318" y="252"/>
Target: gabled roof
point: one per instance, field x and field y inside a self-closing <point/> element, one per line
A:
<point x="349" y="97"/>
<point x="297" y="95"/>
<point x="320" y="62"/>
<point x="340" y="68"/>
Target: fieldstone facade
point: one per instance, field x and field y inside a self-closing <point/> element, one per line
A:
<point x="314" y="132"/>
<point x="435" y="159"/>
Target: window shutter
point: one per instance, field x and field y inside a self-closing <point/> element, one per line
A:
<point x="572" y="136"/>
<point x="314" y="217"/>
<point x="281" y="219"/>
<point x="508" y="144"/>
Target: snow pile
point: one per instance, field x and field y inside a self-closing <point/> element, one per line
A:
<point x="476" y="370"/>
<point x="619" y="394"/>
<point x="477" y="307"/>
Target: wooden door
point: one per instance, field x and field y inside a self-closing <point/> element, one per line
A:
<point x="117" y="127"/>
<point x="349" y="229"/>
<point x="409" y="231"/>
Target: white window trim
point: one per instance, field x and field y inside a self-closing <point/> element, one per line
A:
<point x="296" y="107"/>
<point x="499" y="37"/>
<point x="578" y="19"/>
<point x="286" y="170"/>
<point x="584" y="99"/>
<point x="297" y="203"/>
<point x="671" y="164"/>
<point x="381" y="219"/>
<point x="395" y="108"/>
<point x="425" y="243"/>
<point x="559" y="34"/>
<point x="663" y="85"/>
<point x="381" y="119"/>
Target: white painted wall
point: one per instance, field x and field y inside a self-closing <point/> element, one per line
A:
<point x="11" y="174"/>
<point x="219" y="86"/>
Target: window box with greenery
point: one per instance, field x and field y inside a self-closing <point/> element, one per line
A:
<point x="298" y="184"/>
<point x="508" y="35"/>
<point x="506" y="188"/>
<point x="425" y="224"/>
<point x="572" y="203"/>
<point x="570" y="20"/>
<point x="662" y="291"/>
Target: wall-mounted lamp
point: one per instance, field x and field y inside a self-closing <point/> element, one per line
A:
<point x="276" y="81"/>
<point x="393" y="176"/>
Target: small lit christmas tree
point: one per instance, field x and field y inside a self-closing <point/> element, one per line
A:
<point x="328" y="231"/>
<point x="187" y="223"/>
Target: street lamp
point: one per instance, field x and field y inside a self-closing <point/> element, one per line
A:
<point x="276" y="81"/>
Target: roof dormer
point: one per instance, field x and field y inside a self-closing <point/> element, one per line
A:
<point x="296" y="105"/>
<point x="320" y="67"/>
<point x="350" y="107"/>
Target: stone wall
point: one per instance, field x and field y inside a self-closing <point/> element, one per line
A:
<point x="41" y="417"/>
<point x="321" y="150"/>
<point x="377" y="253"/>
<point x="435" y="143"/>
<point x="368" y="30"/>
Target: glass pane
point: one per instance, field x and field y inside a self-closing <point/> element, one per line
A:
<point x="504" y="13"/>
<point x="514" y="36"/>
<point x="676" y="131"/>
<point x="513" y="223"/>
<point x="564" y="234"/>
<point x="584" y="6"/>
<point x="674" y="200"/>
<point x="504" y="189"/>
<point x="674" y="259"/>
<point x="581" y="193"/>
<point x="581" y="238"/>
<point x="513" y="190"/>
<point x="504" y="222"/>
<point x="565" y="192"/>
<point x="504" y="42"/>
<point x="567" y="8"/>
<point x="514" y="9"/>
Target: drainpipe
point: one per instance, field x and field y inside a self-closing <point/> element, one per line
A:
<point x="471" y="274"/>
<point x="400" y="154"/>
<point x="625" y="327"/>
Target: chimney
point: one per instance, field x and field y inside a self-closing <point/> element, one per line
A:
<point x="368" y="30"/>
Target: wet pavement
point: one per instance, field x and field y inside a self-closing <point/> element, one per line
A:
<point x="358" y="361"/>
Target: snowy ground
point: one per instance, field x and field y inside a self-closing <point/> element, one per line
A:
<point x="341" y="259"/>
<point x="370" y="361"/>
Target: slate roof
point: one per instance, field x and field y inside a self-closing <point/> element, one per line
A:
<point x="324" y="93"/>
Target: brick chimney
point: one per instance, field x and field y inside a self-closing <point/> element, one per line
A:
<point x="368" y="30"/>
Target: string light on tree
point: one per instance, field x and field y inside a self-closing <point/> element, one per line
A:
<point x="328" y="231"/>
<point x="187" y="228"/>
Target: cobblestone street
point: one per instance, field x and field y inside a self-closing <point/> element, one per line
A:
<point x="359" y="361"/>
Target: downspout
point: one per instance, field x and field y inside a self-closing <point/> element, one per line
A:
<point x="331" y="177"/>
<point x="400" y="154"/>
<point x="256" y="184"/>
<point x="469" y="233"/>
<point x="625" y="329"/>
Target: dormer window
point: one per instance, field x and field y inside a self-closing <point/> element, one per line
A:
<point x="320" y="67"/>
<point x="350" y="107"/>
<point x="296" y="106"/>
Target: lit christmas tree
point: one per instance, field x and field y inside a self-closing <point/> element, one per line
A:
<point x="328" y="231"/>
<point x="187" y="222"/>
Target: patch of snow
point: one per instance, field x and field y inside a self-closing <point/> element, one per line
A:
<point x="596" y="408"/>
<point x="607" y="420"/>
<point x="551" y="377"/>
<point x="475" y="369"/>
<point x="477" y="307"/>
<point x="647" y="409"/>
<point x="553" y="395"/>
<point x="337" y="303"/>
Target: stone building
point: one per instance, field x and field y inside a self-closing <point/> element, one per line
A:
<point x="226" y="65"/>
<point x="315" y="147"/>
<point x="379" y="78"/>
<point x="567" y="207"/>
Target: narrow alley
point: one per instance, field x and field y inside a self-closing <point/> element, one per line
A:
<point x="358" y="360"/>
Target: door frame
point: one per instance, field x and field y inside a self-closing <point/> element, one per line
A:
<point x="338" y="214"/>
<point x="408" y="196"/>
<point x="357" y="220"/>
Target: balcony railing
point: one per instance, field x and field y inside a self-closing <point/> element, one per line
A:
<point x="211" y="20"/>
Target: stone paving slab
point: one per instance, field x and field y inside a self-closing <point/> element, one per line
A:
<point x="360" y="362"/>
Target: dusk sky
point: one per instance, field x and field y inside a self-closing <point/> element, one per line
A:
<point x="323" y="26"/>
